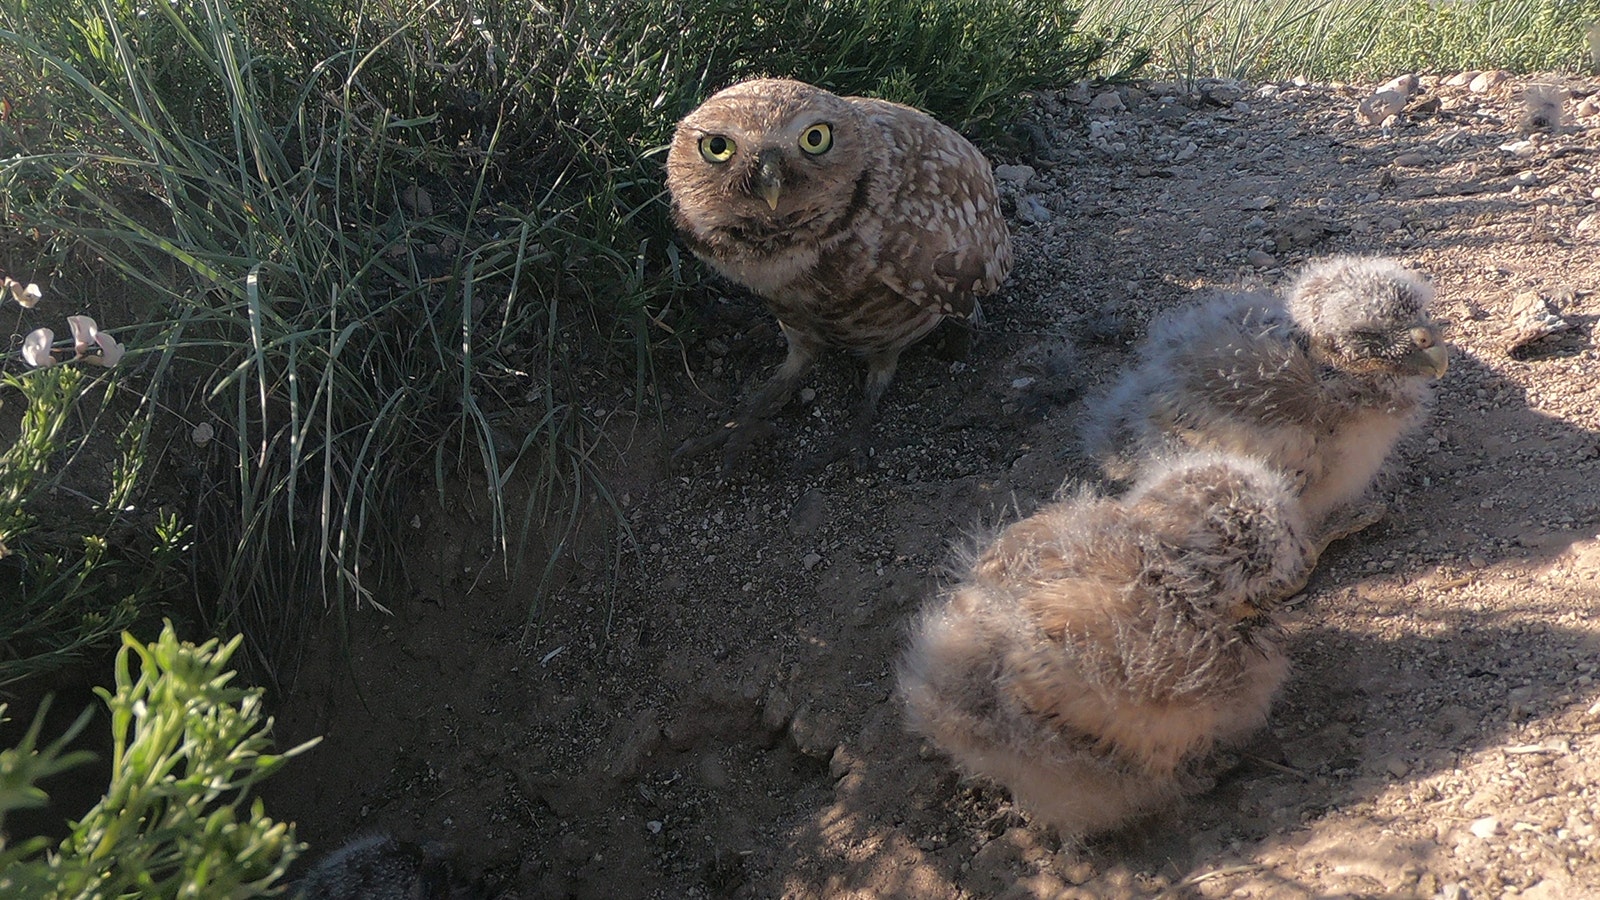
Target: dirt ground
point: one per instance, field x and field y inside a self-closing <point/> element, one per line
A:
<point x="705" y="708"/>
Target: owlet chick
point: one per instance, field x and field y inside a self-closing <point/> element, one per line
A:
<point x="1099" y="647"/>
<point x="378" y="867"/>
<point x="861" y="223"/>
<point x="1319" y="386"/>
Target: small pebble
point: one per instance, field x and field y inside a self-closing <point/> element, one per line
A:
<point x="1018" y="176"/>
<point x="1108" y="100"/>
<point x="1029" y="209"/>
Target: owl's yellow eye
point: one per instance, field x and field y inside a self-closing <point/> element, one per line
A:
<point x="716" y="148"/>
<point x="817" y="139"/>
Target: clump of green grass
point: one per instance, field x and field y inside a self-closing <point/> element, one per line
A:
<point x="392" y="247"/>
<point x="1347" y="39"/>
<point x="177" y="819"/>
<point x="79" y="558"/>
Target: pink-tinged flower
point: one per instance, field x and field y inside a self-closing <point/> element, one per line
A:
<point x="27" y="295"/>
<point x="110" y="351"/>
<point x="84" y="331"/>
<point x="36" y="347"/>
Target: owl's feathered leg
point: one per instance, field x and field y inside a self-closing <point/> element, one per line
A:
<point x="1341" y="523"/>
<point x="770" y="398"/>
<point x="857" y="443"/>
<point x="750" y="422"/>
<point x="880" y="371"/>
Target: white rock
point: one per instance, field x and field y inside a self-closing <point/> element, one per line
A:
<point x="1107" y="100"/>
<point x="1486" y="827"/>
<point x="1015" y="175"/>
<point x="1378" y="108"/>
<point x="1404" y="84"/>
<point x="1486" y="81"/>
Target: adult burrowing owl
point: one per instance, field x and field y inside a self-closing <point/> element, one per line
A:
<point x="1319" y="386"/>
<point x="861" y="223"/>
<point x="1099" y="648"/>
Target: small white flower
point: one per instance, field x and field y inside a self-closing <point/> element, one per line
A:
<point x="27" y="295"/>
<point x="36" y="347"/>
<point x="84" y="332"/>
<point x="110" y="351"/>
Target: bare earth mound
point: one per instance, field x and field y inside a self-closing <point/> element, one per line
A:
<point x="707" y="712"/>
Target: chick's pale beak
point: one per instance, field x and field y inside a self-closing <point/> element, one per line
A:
<point x="769" y="179"/>
<point x="1431" y="355"/>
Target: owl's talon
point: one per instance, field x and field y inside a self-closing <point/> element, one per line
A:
<point x="859" y="448"/>
<point x="696" y="446"/>
<point x="741" y="436"/>
<point x="1350" y="520"/>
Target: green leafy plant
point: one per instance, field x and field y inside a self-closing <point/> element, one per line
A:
<point x="21" y="769"/>
<point x="177" y="819"/>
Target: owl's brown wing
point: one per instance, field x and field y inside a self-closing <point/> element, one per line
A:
<point x="939" y="192"/>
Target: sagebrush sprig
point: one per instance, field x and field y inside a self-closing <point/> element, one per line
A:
<point x="177" y="819"/>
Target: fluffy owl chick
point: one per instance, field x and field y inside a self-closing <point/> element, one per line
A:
<point x="861" y="223"/>
<point x="1320" y="386"/>
<point x="1100" y="646"/>
<point x="378" y="867"/>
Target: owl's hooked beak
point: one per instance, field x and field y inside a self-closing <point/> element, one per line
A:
<point x="769" y="177"/>
<point x="1430" y="356"/>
